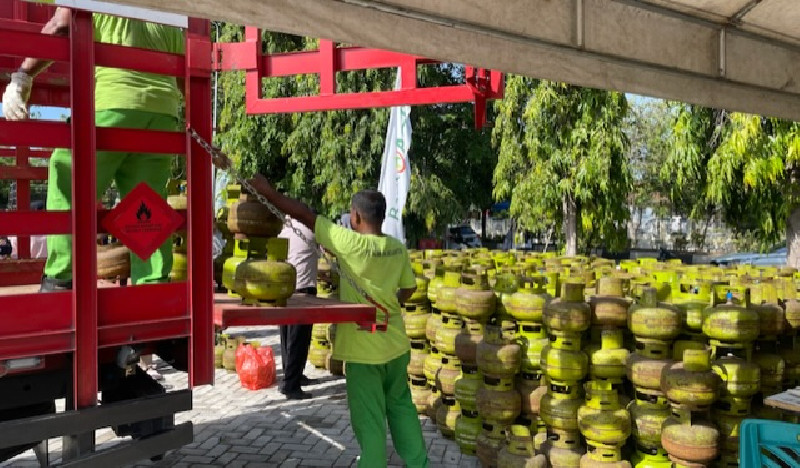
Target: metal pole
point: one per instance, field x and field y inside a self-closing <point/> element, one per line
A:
<point x="84" y="226"/>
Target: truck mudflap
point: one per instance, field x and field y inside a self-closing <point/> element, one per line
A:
<point x="27" y="432"/>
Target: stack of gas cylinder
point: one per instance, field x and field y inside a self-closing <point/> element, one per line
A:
<point x="320" y="353"/>
<point x="257" y="272"/>
<point x="177" y="200"/>
<point x="416" y="314"/>
<point x="579" y="362"/>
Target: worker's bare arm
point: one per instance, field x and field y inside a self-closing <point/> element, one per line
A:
<point x="57" y="26"/>
<point x="289" y="206"/>
<point x="405" y="294"/>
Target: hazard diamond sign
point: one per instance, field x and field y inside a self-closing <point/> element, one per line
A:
<point x="142" y="221"/>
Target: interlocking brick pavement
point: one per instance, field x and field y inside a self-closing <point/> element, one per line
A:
<point x="235" y="427"/>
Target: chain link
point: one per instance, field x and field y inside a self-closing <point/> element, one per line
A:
<point x="217" y="154"/>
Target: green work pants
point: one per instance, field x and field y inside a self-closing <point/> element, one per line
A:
<point x="377" y="393"/>
<point x="127" y="170"/>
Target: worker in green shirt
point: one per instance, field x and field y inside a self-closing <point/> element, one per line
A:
<point x="376" y="362"/>
<point x="123" y="98"/>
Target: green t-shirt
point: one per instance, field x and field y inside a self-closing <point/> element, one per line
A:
<point x="380" y="265"/>
<point x="116" y="88"/>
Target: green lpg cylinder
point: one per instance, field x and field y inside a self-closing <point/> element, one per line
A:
<point x="691" y="381"/>
<point x="466" y="387"/>
<point x="420" y="394"/>
<point x="446" y="416"/>
<point x="489" y="442"/>
<point x="415" y="319"/>
<point x="732" y="320"/>
<point x="448" y="331"/>
<point x="448" y="374"/>
<point x="419" y="353"/>
<point x="609" y="361"/>
<point x="602" y="419"/>
<point x="648" y="362"/>
<point x="648" y="412"/>
<point x="609" y="307"/>
<point x="569" y="313"/>
<point x="468" y="426"/>
<point x="527" y="304"/>
<point x="690" y="437"/>
<point x="650" y="319"/>
<point x="499" y="354"/>
<point x="467" y="341"/>
<point x="532" y="338"/>
<point x="519" y="452"/>
<point x="563" y="359"/>
<point x="474" y="299"/>
<point x="498" y="401"/>
<point x="559" y="407"/>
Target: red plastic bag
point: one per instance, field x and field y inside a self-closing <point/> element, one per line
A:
<point x="240" y="352"/>
<point x="257" y="367"/>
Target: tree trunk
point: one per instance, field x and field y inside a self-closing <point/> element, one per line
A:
<point x="793" y="238"/>
<point x="570" y="225"/>
<point x="484" y="215"/>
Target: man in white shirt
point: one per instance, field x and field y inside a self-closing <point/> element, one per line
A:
<point x="295" y="339"/>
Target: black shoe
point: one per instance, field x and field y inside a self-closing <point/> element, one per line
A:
<point x="306" y="381"/>
<point x="297" y="395"/>
<point x="52" y="285"/>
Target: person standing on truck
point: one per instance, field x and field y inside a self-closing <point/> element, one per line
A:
<point x="123" y="98"/>
<point x="376" y="362"/>
<point x="295" y="339"/>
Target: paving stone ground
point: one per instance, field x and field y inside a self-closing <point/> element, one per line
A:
<point x="235" y="427"/>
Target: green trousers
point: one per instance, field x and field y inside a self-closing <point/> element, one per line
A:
<point x="377" y="393"/>
<point x="127" y="170"/>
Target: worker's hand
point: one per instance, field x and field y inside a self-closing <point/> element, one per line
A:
<point x="220" y="160"/>
<point x="261" y="184"/>
<point x="15" y="98"/>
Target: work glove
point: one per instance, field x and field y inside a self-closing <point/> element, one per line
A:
<point x="15" y="98"/>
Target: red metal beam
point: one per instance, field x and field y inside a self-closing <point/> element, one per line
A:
<point x="132" y="58"/>
<point x="21" y="271"/>
<point x="26" y="314"/>
<point x="84" y="219"/>
<point x="50" y="134"/>
<point x="30" y="44"/>
<point x="22" y="173"/>
<point x="144" y="303"/>
<point x="37" y="344"/>
<point x="410" y="97"/>
<point x="28" y="223"/>
<point x="300" y="309"/>
<point x="231" y="56"/>
<point x="199" y="190"/>
<point x="11" y="152"/>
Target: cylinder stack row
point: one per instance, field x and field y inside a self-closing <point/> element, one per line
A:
<point x="533" y="360"/>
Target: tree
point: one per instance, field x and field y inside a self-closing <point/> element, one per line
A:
<point x="649" y="130"/>
<point x="562" y="160"/>
<point x="325" y="157"/>
<point x="749" y="171"/>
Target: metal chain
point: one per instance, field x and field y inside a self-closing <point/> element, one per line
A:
<point x="217" y="154"/>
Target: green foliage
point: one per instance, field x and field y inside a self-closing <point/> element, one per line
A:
<point x="323" y="158"/>
<point x="741" y="164"/>
<point x="649" y="129"/>
<point x="696" y="137"/>
<point x="559" y="142"/>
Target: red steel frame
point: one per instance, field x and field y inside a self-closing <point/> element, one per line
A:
<point x="481" y="84"/>
<point x="87" y="319"/>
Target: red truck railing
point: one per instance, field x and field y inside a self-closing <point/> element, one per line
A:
<point x="88" y="322"/>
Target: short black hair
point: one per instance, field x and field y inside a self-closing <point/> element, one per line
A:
<point x="371" y="205"/>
